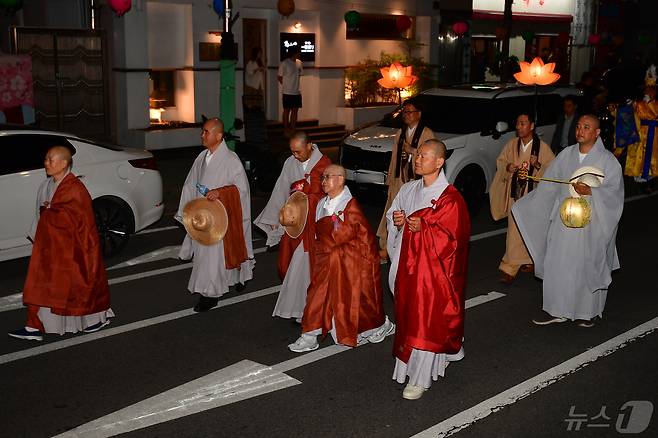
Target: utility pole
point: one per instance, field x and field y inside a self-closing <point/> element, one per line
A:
<point x="228" y="60"/>
<point x="507" y="24"/>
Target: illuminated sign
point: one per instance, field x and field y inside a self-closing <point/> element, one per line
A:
<point x="532" y="7"/>
<point x="304" y="42"/>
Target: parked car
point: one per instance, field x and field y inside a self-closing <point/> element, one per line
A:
<point x="124" y="184"/>
<point x="474" y="121"/>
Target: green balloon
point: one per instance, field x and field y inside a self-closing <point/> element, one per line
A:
<point x="352" y="19"/>
<point x="11" y="4"/>
<point x="643" y="39"/>
<point x="528" y="36"/>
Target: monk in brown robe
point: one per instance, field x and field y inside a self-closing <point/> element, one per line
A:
<point x="345" y="295"/>
<point x="66" y="287"/>
<point x="401" y="169"/>
<point x="525" y="152"/>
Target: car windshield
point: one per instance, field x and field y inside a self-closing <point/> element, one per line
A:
<point x="448" y="114"/>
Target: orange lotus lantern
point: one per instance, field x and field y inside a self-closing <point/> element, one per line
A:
<point x="536" y="73"/>
<point x="397" y="76"/>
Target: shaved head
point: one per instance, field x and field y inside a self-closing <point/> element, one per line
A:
<point x="58" y="162"/>
<point x="437" y="146"/>
<point x="63" y="153"/>
<point x="215" y="123"/>
<point x="594" y="120"/>
<point x="212" y="133"/>
<point x="335" y="169"/>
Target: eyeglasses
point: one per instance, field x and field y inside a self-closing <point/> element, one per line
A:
<point x="323" y="177"/>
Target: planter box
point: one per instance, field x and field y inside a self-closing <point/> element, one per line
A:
<point x="354" y="117"/>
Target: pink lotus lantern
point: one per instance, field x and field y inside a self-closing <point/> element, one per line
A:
<point x="536" y="73"/>
<point x="397" y="76"/>
<point x="120" y="7"/>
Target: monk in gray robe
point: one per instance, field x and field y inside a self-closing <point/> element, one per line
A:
<point x="575" y="263"/>
<point x="301" y="172"/>
<point x="217" y="173"/>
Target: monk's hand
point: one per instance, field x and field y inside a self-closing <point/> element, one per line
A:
<point x="582" y="189"/>
<point x="534" y="161"/>
<point x="212" y="195"/>
<point x="511" y="167"/>
<point x="398" y="218"/>
<point x="414" y="224"/>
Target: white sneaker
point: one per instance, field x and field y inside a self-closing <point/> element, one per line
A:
<point x="413" y="392"/>
<point x="386" y="329"/>
<point x="304" y="343"/>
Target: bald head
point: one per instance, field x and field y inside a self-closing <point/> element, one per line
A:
<point x="333" y="180"/>
<point x="436" y="146"/>
<point x="58" y="162"/>
<point x="587" y="131"/>
<point x="212" y="133"/>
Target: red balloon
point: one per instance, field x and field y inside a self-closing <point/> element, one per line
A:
<point x="120" y="7"/>
<point x="402" y="23"/>
<point x="594" y="39"/>
<point x="460" y="28"/>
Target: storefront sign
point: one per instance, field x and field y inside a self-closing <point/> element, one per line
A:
<point x="531" y="7"/>
<point x="305" y="42"/>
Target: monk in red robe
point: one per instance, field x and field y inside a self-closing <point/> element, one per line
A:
<point x="345" y="294"/>
<point x="428" y="234"/>
<point x="66" y="287"/>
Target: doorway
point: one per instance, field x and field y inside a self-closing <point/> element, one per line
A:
<point x="254" y="39"/>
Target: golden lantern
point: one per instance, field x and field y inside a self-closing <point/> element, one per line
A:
<point x="397" y="77"/>
<point x="536" y="73"/>
<point x="575" y="212"/>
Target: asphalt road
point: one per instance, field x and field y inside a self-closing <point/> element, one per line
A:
<point x="166" y="372"/>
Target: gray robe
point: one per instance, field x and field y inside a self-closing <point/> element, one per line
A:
<point x="575" y="263"/>
<point x="210" y="277"/>
<point x="292" y="298"/>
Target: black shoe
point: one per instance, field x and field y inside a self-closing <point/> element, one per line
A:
<point x="205" y="304"/>
<point x="239" y="287"/>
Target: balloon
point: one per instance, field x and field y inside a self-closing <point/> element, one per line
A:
<point x="352" y="19"/>
<point x="594" y="39"/>
<point x="120" y="7"/>
<point x="460" y="28"/>
<point x="402" y="23"/>
<point x="286" y="7"/>
<point x="219" y="7"/>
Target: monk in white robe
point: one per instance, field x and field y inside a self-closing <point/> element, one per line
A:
<point x="217" y="173"/>
<point x="301" y="172"/>
<point x="575" y="263"/>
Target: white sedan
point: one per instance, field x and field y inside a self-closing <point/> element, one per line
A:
<point x="124" y="184"/>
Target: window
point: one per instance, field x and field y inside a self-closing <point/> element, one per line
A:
<point x="24" y="152"/>
<point x="162" y="87"/>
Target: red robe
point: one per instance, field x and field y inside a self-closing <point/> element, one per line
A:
<point x="313" y="190"/>
<point x="235" y="249"/>
<point x="66" y="272"/>
<point x="345" y="283"/>
<point x="431" y="277"/>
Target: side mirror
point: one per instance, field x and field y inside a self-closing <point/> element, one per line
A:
<point x="501" y="127"/>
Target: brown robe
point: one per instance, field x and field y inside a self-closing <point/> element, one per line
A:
<point x="501" y="199"/>
<point x="66" y="271"/>
<point x="395" y="182"/>
<point x="346" y="284"/>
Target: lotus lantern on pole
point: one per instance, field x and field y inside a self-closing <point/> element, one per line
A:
<point x="536" y="73"/>
<point x="397" y="77"/>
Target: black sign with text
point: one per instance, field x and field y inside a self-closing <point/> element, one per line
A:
<point x="304" y="42"/>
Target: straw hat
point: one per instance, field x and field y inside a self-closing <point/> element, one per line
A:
<point x="293" y="214"/>
<point x="205" y="221"/>
<point x="589" y="175"/>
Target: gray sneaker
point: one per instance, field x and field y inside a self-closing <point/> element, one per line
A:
<point x="304" y="343"/>
<point x="386" y="329"/>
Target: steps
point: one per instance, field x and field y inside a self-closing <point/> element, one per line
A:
<point x="329" y="136"/>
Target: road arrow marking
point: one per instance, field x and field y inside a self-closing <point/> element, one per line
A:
<point x="240" y="381"/>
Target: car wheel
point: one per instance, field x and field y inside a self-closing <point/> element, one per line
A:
<point x="115" y="223"/>
<point x="472" y="185"/>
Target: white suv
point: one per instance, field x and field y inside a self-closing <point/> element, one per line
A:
<point x="124" y="184"/>
<point x="474" y="121"/>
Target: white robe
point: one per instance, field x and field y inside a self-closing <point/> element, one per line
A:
<point x="423" y="366"/>
<point x="292" y="298"/>
<point x="210" y="277"/>
<point x="53" y="323"/>
<point x="575" y="263"/>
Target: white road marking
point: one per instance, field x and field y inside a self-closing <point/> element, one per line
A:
<point x="166" y="252"/>
<point x="466" y="418"/>
<point x="11" y="302"/>
<point x="84" y="338"/>
<point x="240" y="381"/>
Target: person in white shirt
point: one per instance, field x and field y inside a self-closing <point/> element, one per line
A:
<point x="254" y="80"/>
<point x="290" y="70"/>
